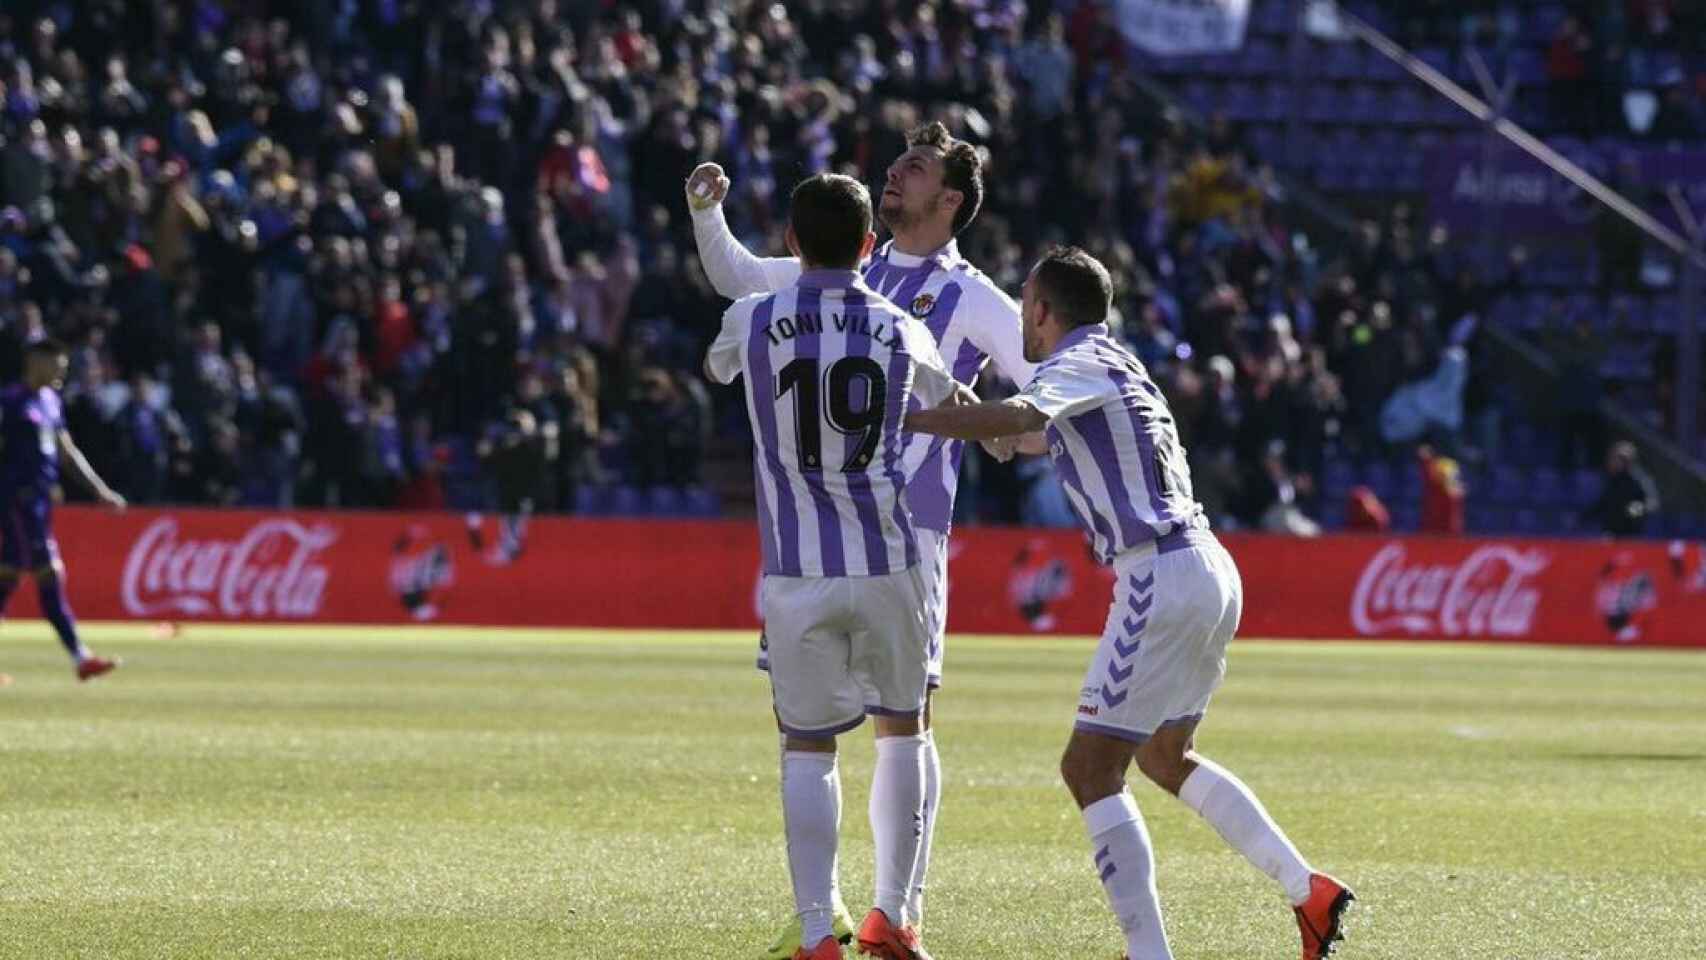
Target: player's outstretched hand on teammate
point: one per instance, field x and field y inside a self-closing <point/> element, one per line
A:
<point x="706" y="187"/>
<point x="1001" y="448"/>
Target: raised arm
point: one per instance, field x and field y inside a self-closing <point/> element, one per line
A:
<point x="69" y="454"/>
<point x="978" y="421"/>
<point x="732" y="269"/>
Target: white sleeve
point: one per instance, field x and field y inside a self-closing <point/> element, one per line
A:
<point x="732" y="269"/>
<point x="723" y="361"/>
<point x="1064" y="387"/>
<point x="997" y="330"/>
<point x="931" y="381"/>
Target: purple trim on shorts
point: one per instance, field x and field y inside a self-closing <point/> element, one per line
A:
<point x="1131" y="736"/>
<point x="1086" y="726"/>
<point x="1183" y="539"/>
<point x="823" y="733"/>
<point x="873" y="710"/>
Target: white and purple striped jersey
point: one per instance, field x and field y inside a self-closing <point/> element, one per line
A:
<point x="1113" y="442"/>
<point x="831" y="369"/>
<point x="970" y="318"/>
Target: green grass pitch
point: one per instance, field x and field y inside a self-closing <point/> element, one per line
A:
<point x="443" y="793"/>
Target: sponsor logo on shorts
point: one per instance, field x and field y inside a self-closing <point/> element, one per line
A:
<point x="1089" y="710"/>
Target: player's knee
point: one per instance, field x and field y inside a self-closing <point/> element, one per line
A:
<point x="1165" y="768"/>
<point x="910" y="726"/>
<point x="1088" y="775"/>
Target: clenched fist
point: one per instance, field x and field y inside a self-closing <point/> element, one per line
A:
<point x="706" y="187"/>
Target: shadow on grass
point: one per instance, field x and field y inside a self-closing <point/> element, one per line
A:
<point x="1635" y="757"/>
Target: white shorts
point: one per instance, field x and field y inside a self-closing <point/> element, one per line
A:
<point x="1163" y="652"/>
<point x="844" y="647"/>
<point x="933" y="566"/>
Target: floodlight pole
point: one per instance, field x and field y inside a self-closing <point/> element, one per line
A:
<point x="1688" y="329"/>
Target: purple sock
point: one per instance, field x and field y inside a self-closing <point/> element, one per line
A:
<point x="58" y="613"/>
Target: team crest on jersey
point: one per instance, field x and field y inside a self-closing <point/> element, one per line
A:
<point x="922" y="305"/>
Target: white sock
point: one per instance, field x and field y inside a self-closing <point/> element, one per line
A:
<point x="1126" y="863"/>
<point x="811" y="818"/>
<point x="1235" y="813"/>
<point x="932" y="801"/>
<point x="835" y="877"/>
<point x="897" y="819"/>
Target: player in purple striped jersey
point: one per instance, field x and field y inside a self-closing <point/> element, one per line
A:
<point x="1177" y="601"/>
<point x="930" y="193"/>
<point x="33" y="441"/>
<point x="830" y="370"/>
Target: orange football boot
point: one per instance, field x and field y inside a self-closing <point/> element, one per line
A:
<point x="828" y="948"/>
<point x="1318" y="918"/>
<point x="879" y="937"/>
<point x="94" y="667"/>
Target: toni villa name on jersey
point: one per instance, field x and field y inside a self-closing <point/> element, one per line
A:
<point x="854" y="325"/>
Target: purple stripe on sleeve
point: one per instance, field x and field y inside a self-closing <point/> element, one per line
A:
<point x="1096" y="430"/>
<point x="761" y="387"/>
<point x="828" y="519"/>
<point x="859" y="483"/>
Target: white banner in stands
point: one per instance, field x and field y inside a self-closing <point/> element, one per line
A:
<point x="1185" y="26"/>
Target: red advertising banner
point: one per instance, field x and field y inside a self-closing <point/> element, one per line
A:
<point x="206" y="565"/>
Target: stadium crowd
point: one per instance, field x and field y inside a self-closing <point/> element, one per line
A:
<point x="1623" y="68"/>
<point x="336" y="252"/>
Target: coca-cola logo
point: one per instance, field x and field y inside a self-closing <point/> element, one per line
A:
<point x="1490" y="593"/>
<point x="268" y="572"/>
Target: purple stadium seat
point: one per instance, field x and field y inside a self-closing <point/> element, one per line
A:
<point x="1242" y="102"/>
<point x="1585" y="486"/>
<point x="1546" y="487"/>
<point x="702" y="502"/>
<point x="592" y="501"/>
<point x="626" y="501"/>
<point x="666" y="502"/>
<point x="1508" y="485"/>
<point x="1530" y="522"/>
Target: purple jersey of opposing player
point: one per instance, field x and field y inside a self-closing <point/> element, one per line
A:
<point x="30" y="421"/>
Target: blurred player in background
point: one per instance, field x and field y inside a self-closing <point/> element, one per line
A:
<point x="33" y="441"/>
<point x="830" y="369"/>
<point x="1177" y="602"/>
<point x="931" y="193"/>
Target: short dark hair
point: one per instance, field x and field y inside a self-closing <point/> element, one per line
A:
<point x="46" y="347"/>
<point x="831" y="216"/>
<point x="962" y="167"/>
<point x="1075" y="285"/>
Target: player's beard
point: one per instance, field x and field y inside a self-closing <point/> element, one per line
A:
<point x="899" y="219"/>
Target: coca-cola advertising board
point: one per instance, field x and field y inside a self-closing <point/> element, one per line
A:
<point x="325" y="567"/>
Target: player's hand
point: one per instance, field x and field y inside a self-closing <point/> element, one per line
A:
<point x="706" y="187"/>
<point x="114" y="499"/>
<point x="1001" y="448"/>
<point x="963" y="396"/>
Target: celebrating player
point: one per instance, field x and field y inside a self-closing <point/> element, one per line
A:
<point x="931" y="193"/>
<point x="830" y="369"/>
<point x="1177" y="601"/>
<point x="34" y="439"/>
